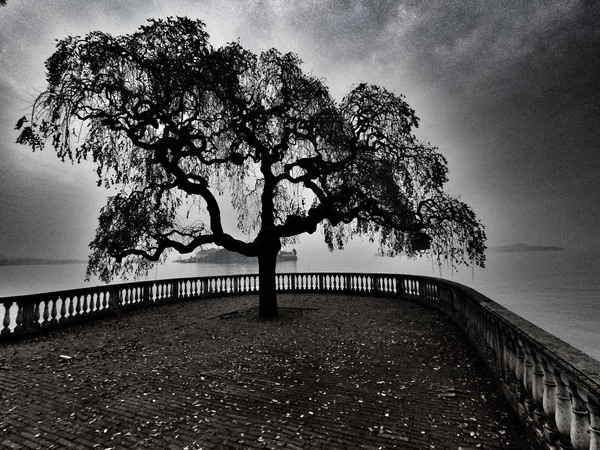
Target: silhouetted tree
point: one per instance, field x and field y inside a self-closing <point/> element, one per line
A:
<point x="172" y="122"/>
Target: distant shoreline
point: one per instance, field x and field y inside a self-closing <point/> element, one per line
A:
<point x="38" y="262"/>
<point x="517" y="248"/>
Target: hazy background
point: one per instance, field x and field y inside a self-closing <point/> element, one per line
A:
<point x="508" y="90"/>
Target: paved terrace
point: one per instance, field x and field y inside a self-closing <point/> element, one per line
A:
<point x="336" y="371"/>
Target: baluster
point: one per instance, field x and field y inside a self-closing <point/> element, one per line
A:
<point x="549" y="397"/>
<point x="71" y="307"/>
<point x="36" y="314"/>
<point x="85" y="304"/>
<point x="77" y="305"/>
<point x="63" y="310"/>
<point x="563" y="408"/>
<point x="54" y="312"/>
<point x="594" y="409"/>
<point x="93" y="302"/>
<point x="46" y="312"/>
<point x="293" y="279"/>
<point x="20" y="319"/>
<point x="507" y="357"/>
<point x="520" y="365"/>
<point x="6" y="322"/>
<point x="538" y="381"/>
<point x="28" y="312"/>
<point x="512" y="357"/>
<point x="174" y="291"/>
<point x="580" y="421"/>
<point x="184" y="288"/>
<point x="538" y="392"/>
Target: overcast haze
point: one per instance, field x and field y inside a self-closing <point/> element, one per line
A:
<point x="508" y="90"/>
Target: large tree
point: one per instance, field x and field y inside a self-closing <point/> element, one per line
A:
<point x="172" y="123"/>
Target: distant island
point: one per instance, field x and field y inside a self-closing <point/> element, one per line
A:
<point x="514" y="248"/>
<point x="29" y="261"/>
<point x="222" y="256"/>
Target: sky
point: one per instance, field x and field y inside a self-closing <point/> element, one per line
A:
<point x="509" y="91"/>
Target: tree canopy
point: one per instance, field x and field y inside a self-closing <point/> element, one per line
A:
<point x="172" y="122"/>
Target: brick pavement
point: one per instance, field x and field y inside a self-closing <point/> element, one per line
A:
<point x="336" y="371"/>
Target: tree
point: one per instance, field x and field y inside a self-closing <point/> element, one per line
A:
<point x="172" y="122"/>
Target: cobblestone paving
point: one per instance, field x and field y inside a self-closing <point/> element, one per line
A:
<point x="334" y="372"/>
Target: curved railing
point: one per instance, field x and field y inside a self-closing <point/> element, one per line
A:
<point x="552" y="386"/>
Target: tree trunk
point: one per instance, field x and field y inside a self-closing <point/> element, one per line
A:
<point x="267" y="295"/>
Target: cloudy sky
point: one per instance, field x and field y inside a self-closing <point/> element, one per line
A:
<point x="509" y="90"/>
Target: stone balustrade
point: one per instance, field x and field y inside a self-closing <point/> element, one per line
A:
<point x="553" y="387"/>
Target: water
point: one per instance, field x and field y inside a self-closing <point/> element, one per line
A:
<point x="558" y="291"/>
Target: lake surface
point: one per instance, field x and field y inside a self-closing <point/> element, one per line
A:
<point x="558" y="291"/>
